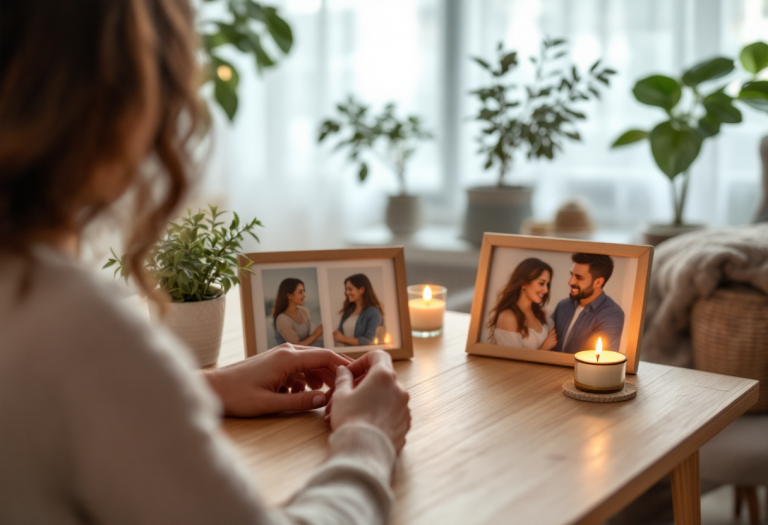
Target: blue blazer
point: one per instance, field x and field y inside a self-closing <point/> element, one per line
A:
<point x="365" y="327"/>
<point x="600" y="318"/>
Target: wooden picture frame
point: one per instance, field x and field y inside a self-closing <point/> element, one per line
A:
<point x="384" y="267"/>
<point x="634" y="259"/>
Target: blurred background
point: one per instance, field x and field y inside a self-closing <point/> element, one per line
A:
<point x="416" y="53"/>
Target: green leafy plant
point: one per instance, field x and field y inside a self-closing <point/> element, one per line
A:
<point x="250" y="24"/>
<point x="391" y="139"/>
<point x="695" y="110"/>
<point x="196" y="260"/>
<point x="539" y="117"/>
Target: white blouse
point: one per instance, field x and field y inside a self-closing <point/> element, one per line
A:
<point x="516" y="339"/>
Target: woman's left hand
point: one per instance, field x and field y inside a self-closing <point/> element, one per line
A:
<point x="275" y="381"/>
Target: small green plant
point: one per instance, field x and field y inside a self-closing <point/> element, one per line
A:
<point x="249" y="24"/>
<point x="695" y="113"/>
<point x="539" y="117"/>
<point x="384" y="135"/>
<point x="196" y="260"/>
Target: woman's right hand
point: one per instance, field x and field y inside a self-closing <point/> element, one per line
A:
<point x="378" y="399"/>
<point x="550" y="342"/>
<point x="318" y="331"/>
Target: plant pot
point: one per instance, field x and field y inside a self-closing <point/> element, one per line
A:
<point x="403" y="214"/>
<point x="498" y="209"/>
<point x="198" y="324"/>
<point x="656" y="233"/>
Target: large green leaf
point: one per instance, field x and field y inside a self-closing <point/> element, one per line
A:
<point x="674" y="146"/>
<point x="708" y="126"/>
<point x="226" y="97"/>
<point x="279" y="30"/>
<point x="755" y="94"/>
<point x="630" y="137"/>
<point x="754" y="57"/>
<point x="720" y="107"/>
<point x="658" y="90"/>
<point x="708" y="70"/>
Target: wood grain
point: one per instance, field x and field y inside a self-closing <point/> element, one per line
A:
<point x="686" y="491"/>
<point x="495" y="441"/>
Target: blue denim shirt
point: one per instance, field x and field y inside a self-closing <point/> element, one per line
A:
<point x="365" y="327"/>
<point x="600" y="318"/>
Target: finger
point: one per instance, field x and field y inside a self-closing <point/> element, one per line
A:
<point x="344" y="379"/>
<point x="292" y="402"/>
<point x="370" y="360"/>
<point x="312" y="358"/>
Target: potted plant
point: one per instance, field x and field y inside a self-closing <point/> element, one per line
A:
<point x="694" y="109"/>
<point x="537" y="119"/>
<point x="391" y="139"/>
<point x="195" y="264"/>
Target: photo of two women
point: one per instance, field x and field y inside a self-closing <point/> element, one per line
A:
<point x="293" y="305"/>
<point x="557" y="301"/>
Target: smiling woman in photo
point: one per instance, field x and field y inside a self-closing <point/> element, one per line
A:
<point x="361" y="315"/>
<point x="293" y="323"/>
<point x="518" y="319"/>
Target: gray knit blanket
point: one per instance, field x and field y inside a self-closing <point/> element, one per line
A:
<point x="691" y="267"/>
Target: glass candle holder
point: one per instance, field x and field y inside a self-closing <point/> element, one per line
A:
<point x="426" y="305"/>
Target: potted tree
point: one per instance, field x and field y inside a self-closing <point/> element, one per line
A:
<point x="537" y="119"/>
<point x="391" y="139"/>
<point x="694" y="111"/>
<point x="195" y="264"/>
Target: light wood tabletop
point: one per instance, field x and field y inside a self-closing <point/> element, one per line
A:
<point x="496" y="441"/>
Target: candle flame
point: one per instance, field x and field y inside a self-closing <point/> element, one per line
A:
<point x="427" y="294"/>
<point x="599" y="348"/>
<point x="387" y="339"/>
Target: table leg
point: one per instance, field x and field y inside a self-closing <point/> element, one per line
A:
<point x="686" y="491"/>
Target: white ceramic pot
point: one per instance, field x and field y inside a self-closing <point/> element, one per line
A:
<point x="198" y="324"/>
<point x="404" y="214"/>
<point x="655" y="234"/>
<point x="498" y="209"/>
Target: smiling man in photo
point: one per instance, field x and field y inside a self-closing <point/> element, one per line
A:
<point x="588" y="313"/>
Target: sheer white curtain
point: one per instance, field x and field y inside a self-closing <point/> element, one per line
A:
<point x="416" y="53"/>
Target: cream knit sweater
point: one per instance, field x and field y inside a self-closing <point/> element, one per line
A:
<point x="103" y="419"/>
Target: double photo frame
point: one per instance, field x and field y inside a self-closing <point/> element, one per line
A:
<point x="544" y="299"/>
<point x="350" y="301"/>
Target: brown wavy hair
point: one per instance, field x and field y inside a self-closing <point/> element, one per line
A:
<point x="526" y="272"/>
<point x="287" y="286"/>
<point x="360" y="280"/>
<point x="75" y="76"/>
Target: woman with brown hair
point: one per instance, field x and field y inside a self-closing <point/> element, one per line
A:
<point x="361" y="315"/>
<point x="292" y="321"/>
<point x="518" y="319"/>
<point x="104" y="419"/>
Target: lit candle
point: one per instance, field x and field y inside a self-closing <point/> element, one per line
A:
<point x="599" y="371"/>
<point x="427" y="309"/>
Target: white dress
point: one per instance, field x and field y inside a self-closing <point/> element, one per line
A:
<point x="516" y="339"/>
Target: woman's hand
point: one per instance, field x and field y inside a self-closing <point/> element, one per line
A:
<point x="367" y="391"/>
<point x="318" y="331"/>
<point x="550" y="342"/>
<point x="275" y="381"/>
<point x="339" y="337"/>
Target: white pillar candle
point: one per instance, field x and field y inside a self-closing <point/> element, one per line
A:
<point x="426" y="311"/>
<point x="598" y="371"/>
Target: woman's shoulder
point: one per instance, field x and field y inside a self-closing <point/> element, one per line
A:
<point x="372" y="312"/>
<point x="507" y="321"/>
<point x="88" y="324"/>
<point x="304" y="311"/>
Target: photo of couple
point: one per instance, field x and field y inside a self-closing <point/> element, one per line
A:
<point x="558" y="306"/>
<point x="349" y="313"/>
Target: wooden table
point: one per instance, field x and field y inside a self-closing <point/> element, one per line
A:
<point x="495" y="441"/>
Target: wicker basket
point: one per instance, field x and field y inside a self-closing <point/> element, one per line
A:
<point x="730" y="336"/>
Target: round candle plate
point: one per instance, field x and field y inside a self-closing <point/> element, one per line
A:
<point x="628" y="392"/>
